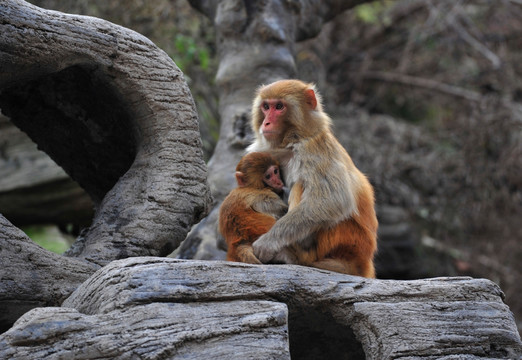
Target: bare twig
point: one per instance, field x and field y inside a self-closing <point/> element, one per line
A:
<point x="452" y="20"/>
<point x="424" y="83"/>
<point x="440" y="87"/>
<point x="477" y="45"/>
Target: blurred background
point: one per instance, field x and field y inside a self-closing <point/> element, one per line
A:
<point x="425" y="95"/>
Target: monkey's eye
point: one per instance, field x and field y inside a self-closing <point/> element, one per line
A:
<point x="266" y="106"/>
<point x="267" y="176"/>
<point x="276" y="171"/>
<point x="279" y="106"/>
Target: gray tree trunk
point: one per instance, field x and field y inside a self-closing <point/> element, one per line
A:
<point x="256" y="45"/>
<point x="155" y="308"/>
<point x="115" y="113"/>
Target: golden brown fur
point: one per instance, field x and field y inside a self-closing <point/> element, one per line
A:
<point x="331" y="222"/>
<point x="251" y="209"/>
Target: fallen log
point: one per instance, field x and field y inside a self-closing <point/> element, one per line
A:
<point x="166" y="308"/>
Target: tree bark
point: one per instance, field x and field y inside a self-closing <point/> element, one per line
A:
<point x="31" y="276"/>
<point x="115" y="113"/>
<point x="166" y="308"/>
<point x="255" y="42"/>
<point x="228" y="330"/>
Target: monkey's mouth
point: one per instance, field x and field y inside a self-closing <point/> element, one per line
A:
<point x="270" y="134"/>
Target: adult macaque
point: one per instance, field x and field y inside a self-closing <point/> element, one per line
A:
<point x="331" y="222"/>
<point x="252" y="208"/>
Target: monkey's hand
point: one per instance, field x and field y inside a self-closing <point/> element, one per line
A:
<point x="266" y="248"/>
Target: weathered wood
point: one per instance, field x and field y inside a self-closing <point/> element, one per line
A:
<point x="329" y="315"/>
<point x="224" y="330"/>
<point x="438" y="329"/>
<point x="115" y="113"/>
<point x="31" y="276"/>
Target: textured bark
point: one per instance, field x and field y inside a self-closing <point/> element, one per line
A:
<point x="31" y="276"/>
<point x="255" y="41"/>
<point x="166" y="308"/>
<point x="115" y="113"/>
<point x="227" y="330"/>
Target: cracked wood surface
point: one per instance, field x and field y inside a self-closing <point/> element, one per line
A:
<point x="283" y="311"/>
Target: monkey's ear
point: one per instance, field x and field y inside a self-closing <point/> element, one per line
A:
<point x="310" y="98"/>
<point x="241" y="179"/>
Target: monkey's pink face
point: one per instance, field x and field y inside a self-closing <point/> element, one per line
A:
<point x="273" y="121"/>
<point x="272" y="178"/>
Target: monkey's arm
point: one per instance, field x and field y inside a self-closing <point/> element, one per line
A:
<point x="272" y="205"/>
<point x="245" y="254"/>
<point x="325" y="201"/>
